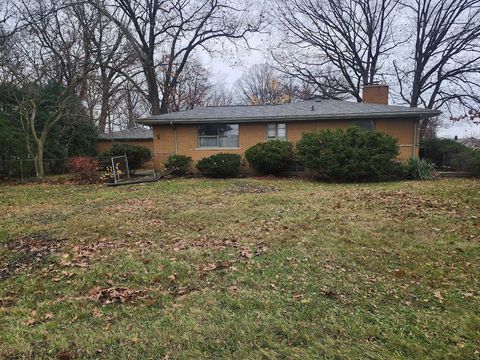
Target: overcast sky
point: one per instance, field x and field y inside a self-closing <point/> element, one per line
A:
<point x="229" y="65"/>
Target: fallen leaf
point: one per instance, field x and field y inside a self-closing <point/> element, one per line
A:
<point x="96" y="312"/>
<point x="438" y="295"/>
<point x="247" y="253"/>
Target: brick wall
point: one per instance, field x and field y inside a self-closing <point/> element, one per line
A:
<point x="185" y="142"/>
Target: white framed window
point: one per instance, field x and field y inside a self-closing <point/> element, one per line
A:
<point x="276" y="131"/>
<point x="218" y="136"/>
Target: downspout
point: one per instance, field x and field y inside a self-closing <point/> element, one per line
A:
<point x="174" y="137"/>
<point x="415" y="123"/>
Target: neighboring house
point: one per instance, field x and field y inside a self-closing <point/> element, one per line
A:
<point x="204" y="131"/>
<point x="136" y="136"/>
<point x="471" y="142"/>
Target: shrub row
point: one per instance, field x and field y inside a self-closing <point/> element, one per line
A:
<point x="340" y="155"/>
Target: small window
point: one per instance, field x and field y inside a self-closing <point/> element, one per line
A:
<point x="218" y="136"/>
<point x="364" y="124"/>
<point x="276" y="132"/>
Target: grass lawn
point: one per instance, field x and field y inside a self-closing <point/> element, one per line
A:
<point x="243" y="269"/>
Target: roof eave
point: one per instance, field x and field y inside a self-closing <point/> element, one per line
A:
<point x="124" y="139"/>
<point x="419" y="114"/>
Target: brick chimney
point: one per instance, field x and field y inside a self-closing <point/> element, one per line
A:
<point x="375" y="94"/>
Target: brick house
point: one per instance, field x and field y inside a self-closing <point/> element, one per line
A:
<point x="204" y="131"/>
<point x="136" y="136"/>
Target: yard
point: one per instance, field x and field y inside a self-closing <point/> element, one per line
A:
<point x="244" y="269"/>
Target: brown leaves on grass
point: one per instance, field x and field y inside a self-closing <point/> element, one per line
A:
<point x="27" y="251"/>
<point x="219" y="265"/>
<point x="239" y="188"/>
<point x="133" y="206"/>
<point x="82" y="255"/>
<point x="402" y="203"/>
<point x="35" y="318"/>
<point x="115" y="295"/>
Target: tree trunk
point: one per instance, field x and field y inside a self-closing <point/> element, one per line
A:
<point x="102" y="119"/>
<point x="39" y="159"/>
<point x="153" y="93"/>
<point x="131" y="115"/>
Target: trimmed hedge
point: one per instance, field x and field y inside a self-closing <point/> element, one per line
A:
<point x="220" y="165"/>
<point x="354" y="154"/>
<point x="136" y="155"/>
<point x="178" y="165"/>
<point x="271" y="157"/>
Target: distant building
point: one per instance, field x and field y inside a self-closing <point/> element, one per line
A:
<point x="471" y="142"/>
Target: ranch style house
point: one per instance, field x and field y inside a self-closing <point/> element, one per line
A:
<point x="205" y="131"/>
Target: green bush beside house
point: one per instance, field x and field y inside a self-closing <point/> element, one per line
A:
<point x="350" y="155"/>
<point x="220" y="165"/>
<point x="270" y="157"/>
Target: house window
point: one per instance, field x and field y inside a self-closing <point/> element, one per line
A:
<point x="218" y="136"/>
<point x="276" y="132"/>
<point x="364" y="124"/>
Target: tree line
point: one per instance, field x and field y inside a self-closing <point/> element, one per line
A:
<point x="120" y="59"/>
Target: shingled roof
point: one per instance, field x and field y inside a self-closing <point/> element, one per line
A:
<point x="128" y="134"/>
<point x="314" y="109"/>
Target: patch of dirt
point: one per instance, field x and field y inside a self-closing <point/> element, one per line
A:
<point x="246" y="188"/>
<point x="26" y="252"/>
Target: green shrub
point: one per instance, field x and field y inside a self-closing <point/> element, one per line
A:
<point x="473" y="164"/>
<point x="441" y="151"/>
<point x="136" y="155"/>
<point x="178" y="165"/>
<point x="350" y="155"/>
<point x="468" y="160"/>
<point x="220" y="165"/>
<point x="270" y="157"/>
<point x="419" y="169"/>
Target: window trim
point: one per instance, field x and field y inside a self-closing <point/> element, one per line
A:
<point x="276" y="131"/>
<point x="218" y="136"/>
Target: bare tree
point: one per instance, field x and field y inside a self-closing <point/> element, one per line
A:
<point x="339" y="45"/>
<point x="35" y="130"/>
<point x="113" y="59"/>
<point x="192" y="87"/>
<point x="9" y="22"/>
<point x="263" y="84"/>
<point x="445" y="57"/>
<point x="56" y="63"/>
<point x="62" y="42"/>
<point x="220" y="95"/>
<point x="164" y="33"/>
